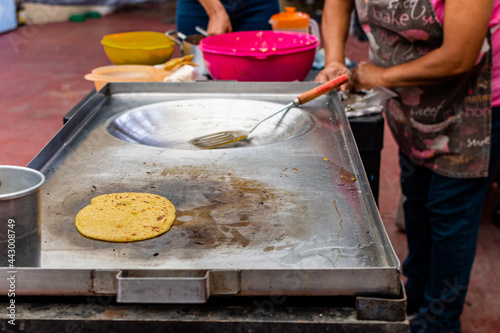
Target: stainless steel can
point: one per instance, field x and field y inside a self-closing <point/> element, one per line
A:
<point x="188" y="46"/>
<point x="20" y="216"/>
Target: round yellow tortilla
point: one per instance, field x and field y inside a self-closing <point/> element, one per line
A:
<point x="125" y="217"/>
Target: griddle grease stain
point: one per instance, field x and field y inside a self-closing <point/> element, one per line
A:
<point x="222" y="209"/>
<point x="340" y="222"/>
<point x="340" y="230"/>
<point x="344" y="176"/>
<point x="232" y="215"/>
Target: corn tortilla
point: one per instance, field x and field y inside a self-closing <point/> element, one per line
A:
<point x="125" y="217"/>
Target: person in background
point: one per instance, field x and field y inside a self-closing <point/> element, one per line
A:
<point x="437" y="56"/>
<point x="222" y="16"/>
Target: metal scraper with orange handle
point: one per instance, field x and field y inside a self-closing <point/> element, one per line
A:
<point x="218" y="139"/>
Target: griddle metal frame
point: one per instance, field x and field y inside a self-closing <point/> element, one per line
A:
<point x="136" y="280"/>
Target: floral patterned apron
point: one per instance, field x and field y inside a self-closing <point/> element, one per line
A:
<point x="446" y="126"/>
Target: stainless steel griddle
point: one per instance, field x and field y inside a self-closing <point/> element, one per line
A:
<point x="289" y="211"/>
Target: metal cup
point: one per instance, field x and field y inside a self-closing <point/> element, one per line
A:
<point x="20" y="216"/>
<point x="188" y="46"/>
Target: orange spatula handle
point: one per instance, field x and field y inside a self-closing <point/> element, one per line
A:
<point x="322" y="89"/>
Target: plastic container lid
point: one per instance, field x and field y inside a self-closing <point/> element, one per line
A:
<point x="289" y="19"/>
<point x="258" y="43"/>
<point x="126" y="73"/>
<point x="144" y="40"/>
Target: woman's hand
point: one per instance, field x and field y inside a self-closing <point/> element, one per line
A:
<point x="366" y="76"/>
<point x="331" y="71"/>
<point x="219" y="23"/>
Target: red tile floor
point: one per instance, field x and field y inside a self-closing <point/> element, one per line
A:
<point x="42" y="69"/>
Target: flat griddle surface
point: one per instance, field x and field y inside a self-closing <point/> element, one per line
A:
<point x="299" y="205"/>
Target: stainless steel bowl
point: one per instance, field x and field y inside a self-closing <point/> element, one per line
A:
<point x="173" y="124"/>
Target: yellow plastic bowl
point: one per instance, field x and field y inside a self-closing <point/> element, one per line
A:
<point x="125" y="73"/>
<point x="138" y="48"/>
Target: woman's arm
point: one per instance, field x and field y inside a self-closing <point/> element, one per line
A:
<point x="335" y="26"/>
<point x="218" y="19"/>
<point x="465" y="26"/>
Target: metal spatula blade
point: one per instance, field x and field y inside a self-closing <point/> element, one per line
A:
<point x="218" y="139"/>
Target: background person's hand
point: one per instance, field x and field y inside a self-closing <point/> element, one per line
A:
<point x="219" y="23"/>
<point x="218" y="18"/>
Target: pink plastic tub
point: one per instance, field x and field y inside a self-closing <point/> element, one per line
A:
<point x="259" y="55"/>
